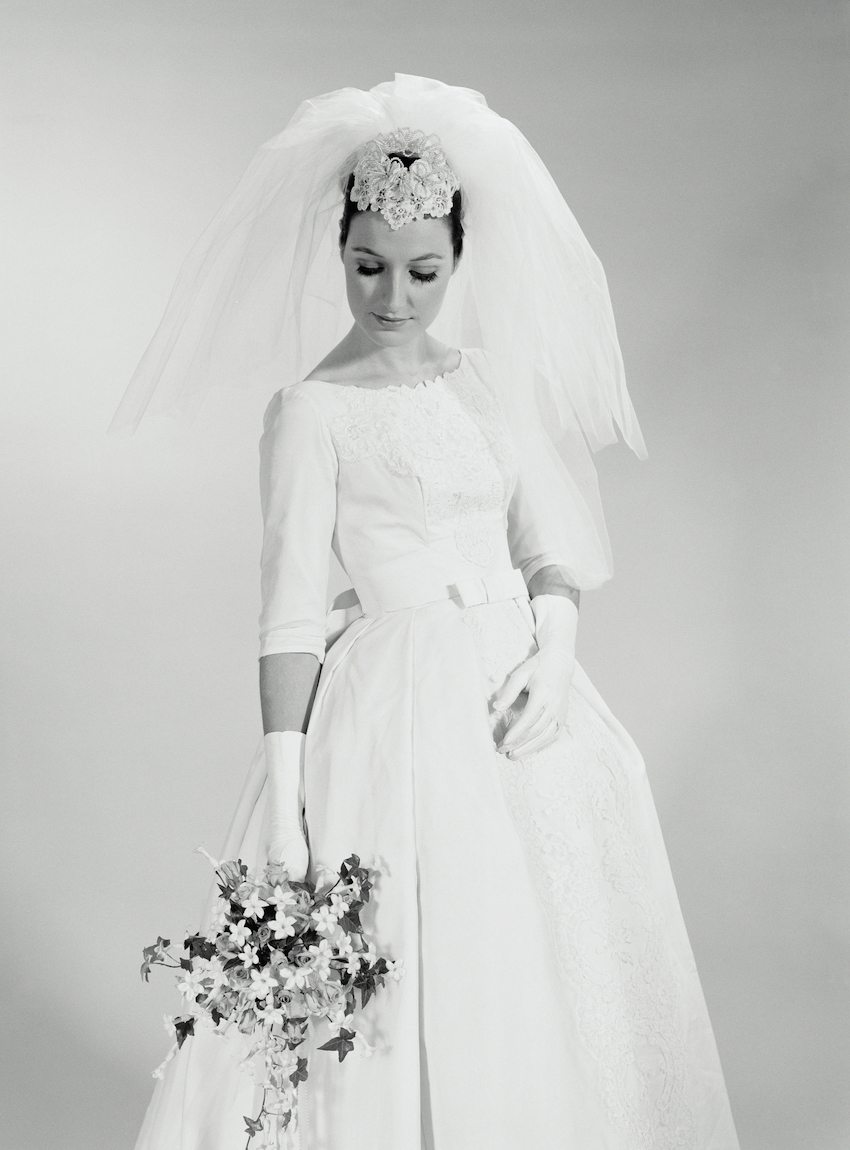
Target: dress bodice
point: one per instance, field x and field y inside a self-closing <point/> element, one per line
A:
<point x="423" y="474"/>
<point x="449" y="462"/>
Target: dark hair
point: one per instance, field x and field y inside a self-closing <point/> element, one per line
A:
<point x="455" y="222"/>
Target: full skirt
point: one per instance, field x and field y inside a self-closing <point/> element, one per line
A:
<point x="550" y="997"/>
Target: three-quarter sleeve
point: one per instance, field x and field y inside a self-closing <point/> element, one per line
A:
<point x="298" y="491"/>
<point x="529" y="547"/>
<point x="545" y="530"/>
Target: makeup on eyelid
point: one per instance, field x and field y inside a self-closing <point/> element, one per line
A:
<point x="421" y="277"/>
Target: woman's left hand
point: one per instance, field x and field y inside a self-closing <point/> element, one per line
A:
<point x="546" y="677"/>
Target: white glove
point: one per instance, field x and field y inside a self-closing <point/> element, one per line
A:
<point x="287" y="844"/>
<point x="546" y="676"/>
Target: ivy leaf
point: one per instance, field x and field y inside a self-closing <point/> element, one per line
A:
<point x="154" y="954"/>
<point x="350" y="921"/>
<point x="252" y="1125"/>
<point x="299" y="1074"/>
<point x="186" y="963"/>
<point x="185" y="1028"/>
<point x="199" y="947"/>
<point x="342" y="1044"/>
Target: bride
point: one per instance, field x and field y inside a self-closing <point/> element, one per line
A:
<point x="436" y="719"/>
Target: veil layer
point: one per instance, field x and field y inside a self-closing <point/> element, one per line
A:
<point x="261" y="297"/>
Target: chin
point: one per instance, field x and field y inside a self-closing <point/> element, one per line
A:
<point x="390" y="338"/>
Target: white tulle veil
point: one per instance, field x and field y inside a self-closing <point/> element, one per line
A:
<point x="261" y="298"/>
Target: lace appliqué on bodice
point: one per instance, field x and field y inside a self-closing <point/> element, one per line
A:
<point x="573" y="805"/>
<point x="449" y="435"/>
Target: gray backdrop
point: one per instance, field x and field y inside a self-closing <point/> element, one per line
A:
<point x="703" y="147"/>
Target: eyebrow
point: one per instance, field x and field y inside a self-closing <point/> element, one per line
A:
<point x="419" y="259"/>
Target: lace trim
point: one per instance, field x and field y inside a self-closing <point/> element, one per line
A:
<point x="448" y="434"/>
<point x="573" y="805"/>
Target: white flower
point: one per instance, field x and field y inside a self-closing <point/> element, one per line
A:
<point x="322" y="955"/>
<point x="219" y="979"/>
<point x="191" y="984"/>
<point x="283" y="925"/>
<point x="271" y="1014"/>
<point x="249" y="956"/>
<point x="325" y="920"/>
<point x="253" y="905"/>
<point x="297" y="977"/>
<point x="343" y="946"/>
<point x="324" y="873"/>
<point x="282" y="969"/>
<point x="353" y="963"/>
<point x="240" y="933"/>
<point x="339" y="904"/>
<point x="262" y="983"/>
<point x="282" y="899"/>
<point x="396" y="969"/>
<point x="337" y="1019"/>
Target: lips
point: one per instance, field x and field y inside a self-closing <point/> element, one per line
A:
<point x="390" y="321"/>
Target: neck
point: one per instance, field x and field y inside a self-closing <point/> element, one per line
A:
<point x="404" y="361"/>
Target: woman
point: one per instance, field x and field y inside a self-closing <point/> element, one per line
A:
<point x="441" y="724"/>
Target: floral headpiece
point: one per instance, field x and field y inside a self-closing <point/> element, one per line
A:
<point x="401" y="194"/>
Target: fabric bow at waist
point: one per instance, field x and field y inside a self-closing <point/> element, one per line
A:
<point x="413" y="581"/>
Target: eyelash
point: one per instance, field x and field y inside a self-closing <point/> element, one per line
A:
<point x="420" y="277"/>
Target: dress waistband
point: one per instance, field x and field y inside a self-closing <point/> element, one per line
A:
<point x="411" y="582"/>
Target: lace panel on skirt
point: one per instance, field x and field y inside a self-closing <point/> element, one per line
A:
<point x="573" y="805"/>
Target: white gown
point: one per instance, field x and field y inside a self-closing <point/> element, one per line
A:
<point x="550" y="998"/>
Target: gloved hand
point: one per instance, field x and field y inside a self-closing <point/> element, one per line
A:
<point x="546" y="676"/>
<point x="287" y="845"/>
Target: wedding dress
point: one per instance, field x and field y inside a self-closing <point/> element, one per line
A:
<point x="550" y="998"/>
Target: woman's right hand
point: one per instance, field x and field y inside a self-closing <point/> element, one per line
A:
<point x="546" y="677"/>
<point x="287" y="845"/>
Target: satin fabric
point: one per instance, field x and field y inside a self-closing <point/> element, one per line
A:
<point x="550" y="997"/>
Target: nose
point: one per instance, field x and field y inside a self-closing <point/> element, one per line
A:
<point x="397" y="298"/>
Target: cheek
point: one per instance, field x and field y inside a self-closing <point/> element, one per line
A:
<point x="357" y="286"/>
<point x="433" y="295"/>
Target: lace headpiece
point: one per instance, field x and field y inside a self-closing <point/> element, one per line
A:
<point x="400" y="193"/>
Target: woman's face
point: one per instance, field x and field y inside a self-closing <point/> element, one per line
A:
<point x="396" y="280"/>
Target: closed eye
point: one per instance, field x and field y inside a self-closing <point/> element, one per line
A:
<point x="420" y="277"/>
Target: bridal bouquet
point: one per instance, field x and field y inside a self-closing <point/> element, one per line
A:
<point x="276" y="955"/>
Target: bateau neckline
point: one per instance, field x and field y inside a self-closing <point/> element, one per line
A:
<point x="422" y="383"/>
